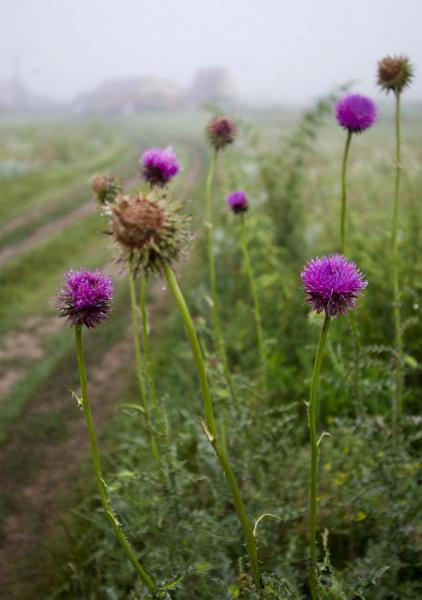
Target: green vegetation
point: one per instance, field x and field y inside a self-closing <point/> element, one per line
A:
<point x="184" y="527"/>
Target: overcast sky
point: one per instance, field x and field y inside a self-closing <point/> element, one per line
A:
<point x="277" y="50"/>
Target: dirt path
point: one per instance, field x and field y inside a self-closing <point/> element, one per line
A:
<point x="38" y="211"/>
<point x="27" y="344"/>
<point x="35" y="473"/>
<point x="42" y="233"/>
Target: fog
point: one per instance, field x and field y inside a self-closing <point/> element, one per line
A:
<point x="275" y="50"/>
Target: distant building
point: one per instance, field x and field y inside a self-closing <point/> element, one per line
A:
<point x="212" y="85"/>
<point x="130" y="95"/>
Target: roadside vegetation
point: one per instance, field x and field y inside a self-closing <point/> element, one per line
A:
<point x="180" y="518"/>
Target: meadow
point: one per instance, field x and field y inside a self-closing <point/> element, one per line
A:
<point x="178" y="514"/>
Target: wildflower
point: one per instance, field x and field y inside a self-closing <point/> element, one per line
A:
<point x="105" y="188"/>
<point x="356" y="113"/>
<point x="221" y="132"/>
<point x="159" y="166"/>
<point x="149" y="232"/>
<point x="332" y="284"/>
<point x="394" y="73"/>
<point x="85" y="298"/>
<point x="238" y="202"/>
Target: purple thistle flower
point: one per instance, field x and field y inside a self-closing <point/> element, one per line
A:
<point x="333" y="284"/>
<point x="356" y="113"/>
<point x="221" y="132"/>
<point x="238" y="202"/>
<point x="159" y="165"/>
<point x="85" y="298"/>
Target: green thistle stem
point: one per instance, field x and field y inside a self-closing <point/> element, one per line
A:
<point x="102" y="488"/>
<point x="149" y="369"/>
<point x="344" y="193"/>
<point x="397" y="407"/>
<point x="139" y="366"/>
<point x="218" y="336"/>
<point x="355" y="331"/>
<point x="255" y="299"/>
<point x="312" y="418"/>
<point x="211" y="428"/>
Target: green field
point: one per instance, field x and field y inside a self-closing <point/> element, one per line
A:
<point x="56" y="544"/>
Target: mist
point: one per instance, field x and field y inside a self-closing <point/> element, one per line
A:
<point x="275" y="51"/>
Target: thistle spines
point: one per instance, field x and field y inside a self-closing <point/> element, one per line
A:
<point x="395" y="73"/>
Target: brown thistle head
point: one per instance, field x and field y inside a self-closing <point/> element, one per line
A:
<point x="105" y="188"/>
<point x="149" y="232"/>
<point x="394" y="73"/>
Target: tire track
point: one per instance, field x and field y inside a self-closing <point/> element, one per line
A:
<point x="36" y="494"/>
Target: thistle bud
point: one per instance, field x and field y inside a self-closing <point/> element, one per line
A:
<point x="149" y="232"/>
<point x="238" y="202"/>
<point x="394" y="73"/>
<point x="159" y="166"/>
<point x="221" y="132"/>
<point x="105" y="188"/>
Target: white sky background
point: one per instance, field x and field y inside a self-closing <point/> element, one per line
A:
<point x="276" y="50"/>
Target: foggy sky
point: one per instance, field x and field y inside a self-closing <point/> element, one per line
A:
<point x="276" y="50"/>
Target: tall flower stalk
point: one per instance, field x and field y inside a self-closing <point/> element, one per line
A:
<point x="344" y="193"/>
<point x="332" y="285"/>
<point x="210" y="426"/>
<point x="238" y="203"/>
<point x="139" y="364"/>
<point x="312" y="417"/>
<point x="85" y="301"/>
<point x="398" y="405"/>
<point x="137" y="223"/>
<point x="395" y="74"/>
<point x="221" y="132"/>
<point x="158" y="166"/>
<point x="149" y="367"/>
<point x="355" y="114"/>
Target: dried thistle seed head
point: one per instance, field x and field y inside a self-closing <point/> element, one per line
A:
<point x="394" y="73"/>
<point x="149" y="232"/>
<point x="105" y="188"/>
<point x="137" y="221"/>
<point x="221" y="132"/>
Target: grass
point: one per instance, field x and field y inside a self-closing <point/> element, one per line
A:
<point x="366" y="498"/>
<point x="32" y="279"/>
<point x="58" y="203"/>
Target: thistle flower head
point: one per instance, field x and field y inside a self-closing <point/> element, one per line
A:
<point x="85" y="298"/>
<point x="149" y="232"/>
<point x="332" y="284"/>
<point x="105" y="188"/>
<point x="394" y="73"/>
<point x="221" y="132"/>
<point x="159" y="165"/>
<point x="356" y="113"/>
<point x="238" y="202"/>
